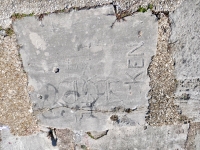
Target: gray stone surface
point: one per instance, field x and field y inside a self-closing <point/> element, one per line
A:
<point x="186" y="42"/>
<point x="129" y="138"/>
<point x="118" y="138"/>
<point x="193" y="136"/>
<point x="38" y="141"/>
<point x="98" y="68"/>
<point x="82" y="109"/>
<point x="9" y="7"/>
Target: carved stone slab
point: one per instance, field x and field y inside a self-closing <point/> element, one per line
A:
<point x="83" y="71"/>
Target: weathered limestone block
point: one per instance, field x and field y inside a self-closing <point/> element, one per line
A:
<point x="83" y="71"/>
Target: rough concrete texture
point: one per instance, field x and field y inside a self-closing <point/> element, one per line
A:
<point x="9" y="7"/>
<point x="158" y="5"/>
<point x="193" y="136"/>
<point x="162" y="109"/>
<point x="185" y="42"/>
<point x="15" y="110"/>
<point x="82" y="70"/>
<point x="185" y="24"/>
<point x="10" y="142"/>
<point x="129" y="138"/>
<point x="65" y="139"/>
<point x="124" y="133"/>
<point x="138" y="137"/>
